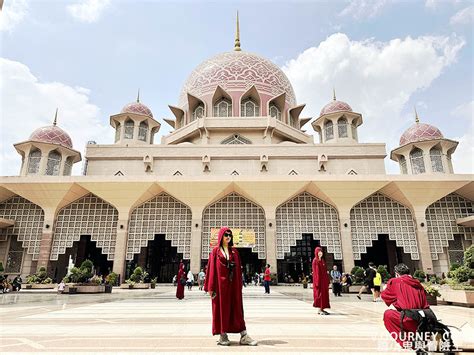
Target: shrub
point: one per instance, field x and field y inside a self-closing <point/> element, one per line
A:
<point x="469" y="257"/>
<point x="463" y="274"/>
<point x="454" y="266"/>
<point x="358" y="273"/>
<point x="86" y="270"/>
<point x="431" y="290"/>
<point x="420" y="275"/>
<point x="138" y="275"/>
<point x="75" y="275"/>
<point x="111" y="279"/>
<point x="382" y="269"/>
<point x="96" y="280"/>
<point x="47" y="281"/>
<point x="40" y="277"/>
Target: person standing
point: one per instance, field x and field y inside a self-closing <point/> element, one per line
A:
<point x="181" y="281"/>
<point x="17" y="283"/>
<point x="267" y="279"/>
<point x="320" y="282"/>
<point x="201" y="277"/>
<point x="190" y="280"/>
<point x="336" y="281"/>
<point x="224" y="284"/>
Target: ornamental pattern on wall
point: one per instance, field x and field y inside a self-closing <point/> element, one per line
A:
<point x="89" y="215"/>
<point x="378" y="214"/>
<point x="234" y="211"/>
<point x="53" y="135"/>
<point x="237" y="71"/>
<point x="28" y="227"/>
<point x="420" y="132"/>
<point x="307" y="214"/>
<point x="163" y="214"/>
<point x="441" y="222"/>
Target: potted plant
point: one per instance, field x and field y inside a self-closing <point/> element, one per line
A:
<point x="110" y="280"/>
<point x="420" y="275"/>
<point x="39" y="280"/>
<point x="304" y="281"/>
<point x="153" y="282"/>
<point x="432" y="292"/>
<point x="137" y="279"/>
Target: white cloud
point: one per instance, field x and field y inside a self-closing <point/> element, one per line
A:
<point x="434" y="4"/>
<point x="360" y="9"/>
<point x="28" y="103"/>
<point x="376" y="78"/>
<point x="13" y="12"/>
<point x="463" y="160"/>
<point x="88" y="10"/>
<point x="463" y="17"/>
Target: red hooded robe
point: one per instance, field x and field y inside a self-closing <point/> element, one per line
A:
<point x="227" y="306"/>
<point x="404" y="292"/>
<point x="320" y="282"/>
<point x="180" y="288"/>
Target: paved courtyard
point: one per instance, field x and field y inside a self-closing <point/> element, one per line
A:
<point x="154" y="320"/>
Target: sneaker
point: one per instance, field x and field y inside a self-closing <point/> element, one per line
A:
<point x="323" y="313"/>
<point x="359" y="297"/>
<point x="223" y="340"/>
<point x="247" y="340"/>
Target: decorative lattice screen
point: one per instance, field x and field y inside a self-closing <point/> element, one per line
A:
<point x="163" y="214"/>
<point x="234" y="211"/>
<point x="378" y="214"/>
<point x="29" y="219"/>
<point x="89" y="215"/>
<point x="441" y="221"/>
<point x="307" y="214"/>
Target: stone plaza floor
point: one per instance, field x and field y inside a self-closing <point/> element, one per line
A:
<point x="138" y="321"/>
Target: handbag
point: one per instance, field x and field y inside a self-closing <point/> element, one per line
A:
<point x="182" y="281"/>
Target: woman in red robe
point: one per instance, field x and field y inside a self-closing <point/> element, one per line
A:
<point x="180" y="288"/>
<point x="224" y="284"/>
<point x="320" y="282"/>
<point x="403" y="292"/>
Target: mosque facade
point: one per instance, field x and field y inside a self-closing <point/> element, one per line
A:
<point x="238" y="156"/>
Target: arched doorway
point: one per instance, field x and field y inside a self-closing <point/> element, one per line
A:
<point x="160" y="259"/>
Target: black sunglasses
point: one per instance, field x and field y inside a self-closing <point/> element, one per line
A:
<point x="227" y="234"/>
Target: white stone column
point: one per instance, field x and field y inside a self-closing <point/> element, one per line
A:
<point x="196" y="240"/>
<point x="46" y="239"/>
<point x="422" y="239"/>
<point x="121" y="244"/>
<point x="270" y="239"/>
<point x="346" y="240"/>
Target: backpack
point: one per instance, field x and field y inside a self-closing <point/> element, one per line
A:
<point x="377" y="279"/>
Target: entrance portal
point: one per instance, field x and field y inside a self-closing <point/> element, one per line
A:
<point x="251" y="264"/>
<point x="81" y="250"/>
<point x="159" y="258"/>
<point x="385" y="252"/>
<point x="298" y="261"/>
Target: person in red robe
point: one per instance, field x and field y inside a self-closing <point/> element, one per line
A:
<point x="402" y="292"/>
<point x="320" y="282"/>
<point x="181" y="275"/>
<point x="224" y="284"/>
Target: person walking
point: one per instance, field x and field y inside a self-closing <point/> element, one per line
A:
<point x="320" y="282"/>
<point x="181" y="281"/>
<point x="369" y="273"/>
<point x="336" y="281"/>
<point x="224" y="284"/>
<point x="267" y="279"/>
<point x="201" y="277"/>
<point x="190" y="280"/>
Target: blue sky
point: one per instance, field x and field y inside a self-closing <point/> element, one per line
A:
<point x="89" y="57"/>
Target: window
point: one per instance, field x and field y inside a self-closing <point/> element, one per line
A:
<point x="329" y="130"/>
<point x="236" y="139"/>
<point x="117" y="132"/>
<point x="275" y="112"/>
<point x="223" y="108"/>
<point x="129" y="126"/>
<point x="142" y="131"/>
<point x="436" y="160"/>
<point x="249" y="108"/>
<point x="417" y="163"/>
<point x="34" y="161"/>
<point x="54" y="163"/>
<point x="198" y="112"/>
<point x="14" y="257"/>
<point x="403" y="165"/>
<point x="354" y="131"/>
<point x="342" y="127"/>
<point x="68" y="166"/>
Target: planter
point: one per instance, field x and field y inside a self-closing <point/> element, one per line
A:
<point x="84" y="289"/>
<point x="135" y="287"/>
<point x="152" y="285"/>
<point x="305" y="285"/>
<point x="432" y="301"/>
<point x="108" y="288"/>
<point x="456" y="297"/>
<point x="40" y="286"/>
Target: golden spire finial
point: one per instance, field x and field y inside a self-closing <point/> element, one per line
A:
<point x="237" y="36"/>
<point x="417" y="120"/>
<point x="334" y="94"/>
<point x="138" y="96"/>
<point x="55" y="117"/>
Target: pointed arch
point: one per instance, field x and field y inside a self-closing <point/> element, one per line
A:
<point x="276" y="107"/>
<point x="221" y="103"/>
<point x="250" y="103"/>
<point x="236" y="139"/>
<point x="34" y="159"/>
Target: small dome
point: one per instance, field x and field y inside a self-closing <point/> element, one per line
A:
<point x="335" y="106"/>
<point x="420" y="132"/>
<point x="137" y="107"/>
<point x="52" y="134"/>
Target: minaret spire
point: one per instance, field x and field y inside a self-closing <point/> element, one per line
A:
<point x="334" y="94"/>
<point x="55" y="117"/>
<point x="138" y="96"/>
<point x="237" y="35"/>
<point x="417" y="120"/>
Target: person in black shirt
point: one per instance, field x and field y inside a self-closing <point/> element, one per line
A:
<point x="370" y="273"/>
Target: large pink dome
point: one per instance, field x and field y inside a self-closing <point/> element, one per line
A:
<point x="52" y="134"/>
<point x="137" y="107"/>
<point x="420" y="132"/>
<point x="237" y="71"/>
<point x="335" y="106"/>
